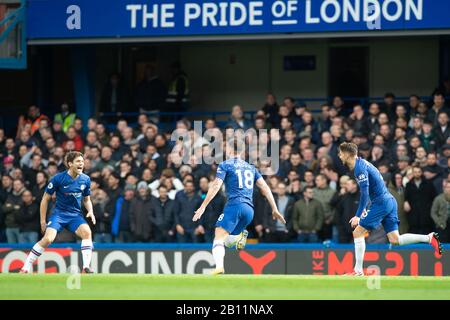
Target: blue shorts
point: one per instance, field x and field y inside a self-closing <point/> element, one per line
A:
<point x="59" y="221"/>
<point x="382" y="211"/>
<point x="235" y="218"/>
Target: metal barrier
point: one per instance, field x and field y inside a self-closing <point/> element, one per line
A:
<point x="222" y="117"/>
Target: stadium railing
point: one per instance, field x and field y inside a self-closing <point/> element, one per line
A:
<point x="222" y="117"/>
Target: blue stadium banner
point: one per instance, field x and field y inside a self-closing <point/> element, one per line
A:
<point x="57" y="19"/>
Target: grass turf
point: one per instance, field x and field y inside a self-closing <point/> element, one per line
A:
<point x="236" y="287"/>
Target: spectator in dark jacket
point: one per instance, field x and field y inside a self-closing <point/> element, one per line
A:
<point x="346" y="206"/>
<point x="114" y="191"/>
<point x="441" y="131"/>
<point x="187" y="201"/>
<point x="162" y="216"/>
<point x="140" y="212"/>
<point x="121" y="224"/>
<point x="438" y="107"/>
<point x="270" y="108"/>
<point x="100" y="200"/>
<point x="11" y="209"/>
<point x="5" y="190"/>
<point x="433" y="172"/>
<point x="31" y="172"/>
<point x="115" y="96"/>
<point x="212" y="211"/>
<point x="39" y="188"/>
<point x="238" y="120"/>
<point x="294" y="163"/>
<point x="150" y="93"/>
<point x="276" y="231"/>
<point x="358" y="120"/>
<point x="440" y="212"/>
<point x="28" y="219"/>
<point x="259" y="205"/>
<point x="419" y="195"/>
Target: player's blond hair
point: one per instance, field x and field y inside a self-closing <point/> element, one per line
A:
<point x="349" y="147"/>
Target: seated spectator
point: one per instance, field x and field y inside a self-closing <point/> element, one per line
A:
<point x="270" y="108"/>
<point x="438" y="106"/>
<point x="102" y="135"/>
<point x="38" y="188"/>
<point x="106" y="158"/>
<point x="168" y="180"/>
<point x="325" y="167"/>
<point x="441" y="131"/>
<point x="358" y="120"/>
<point x="118" y="149"/>
<point x="73" y="136"/>
<point x="237" y="119"/>
<point x="338" y="105"/>
<point x="378" y="155"/>
<point x="57" y="133"/>
<point x="294" y="164"/>
<point x="324" y="122"/>
<point x="290" y="104"/>
<point x="427" y="137"/>
<point x="308" y="180"/>
<point x="388" y="106"/>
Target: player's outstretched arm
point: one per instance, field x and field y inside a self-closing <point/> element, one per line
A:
<point x="269" y="196"/>
<point x="89" y="207"/>
<point x="43" y="211"/>
<point x="214" y="188"/>
<point x="363" y="183"/>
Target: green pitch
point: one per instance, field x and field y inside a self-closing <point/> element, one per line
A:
<point x="188" y="287"/>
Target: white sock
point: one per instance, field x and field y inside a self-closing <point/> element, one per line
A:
<point x="409" y="238"/>
<point x="231" y="240"/>
<point x="35" y="253"/>
<point x="360" y="248"/>
<point x="218" y="252"/>
<point x="86" y="252"/>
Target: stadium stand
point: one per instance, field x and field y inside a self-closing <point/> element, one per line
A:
<point x="142" y="193"/>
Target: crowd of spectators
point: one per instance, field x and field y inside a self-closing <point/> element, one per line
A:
<point x="142" y="193"/>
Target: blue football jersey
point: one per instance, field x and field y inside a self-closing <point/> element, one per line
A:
<point x="239" y="178"/>
<point x="370" y="182"/>
<point x="69" y="192"/>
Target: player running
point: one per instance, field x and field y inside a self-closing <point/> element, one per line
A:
<point x="383" y="208"/>
<point x="71" y="187"/>
<point x="239" y="178"/>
